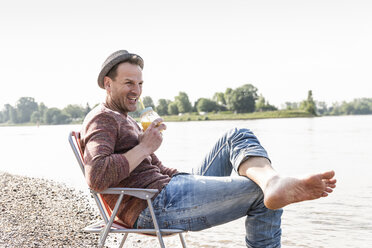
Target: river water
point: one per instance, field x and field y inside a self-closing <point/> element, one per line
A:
<point x="296" y="147"/>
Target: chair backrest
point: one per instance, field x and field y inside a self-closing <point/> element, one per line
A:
<point x="74" y="139"/>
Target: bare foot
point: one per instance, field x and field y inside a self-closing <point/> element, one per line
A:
<point x="282" y="191"/>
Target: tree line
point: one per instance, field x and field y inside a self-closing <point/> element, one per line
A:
<point x="359" y="106"/>
<point x="27" y="110"/>
<point x="244" y="99"/>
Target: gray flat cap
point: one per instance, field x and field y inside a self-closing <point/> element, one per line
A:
<point x="114" y="59"/>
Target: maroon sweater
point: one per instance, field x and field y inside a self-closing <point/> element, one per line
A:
<point x="105" y="136"/>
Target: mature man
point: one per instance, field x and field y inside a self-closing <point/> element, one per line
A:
<point x="119" y="154"/>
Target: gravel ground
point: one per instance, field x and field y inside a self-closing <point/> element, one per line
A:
<point x="42" y="213"/>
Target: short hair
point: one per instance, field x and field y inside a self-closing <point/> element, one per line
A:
<point x="134" y="60"/>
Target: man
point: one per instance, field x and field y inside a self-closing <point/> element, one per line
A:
<point x="119" y="154"/>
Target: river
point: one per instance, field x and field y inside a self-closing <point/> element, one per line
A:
<point x="297" y="146"/>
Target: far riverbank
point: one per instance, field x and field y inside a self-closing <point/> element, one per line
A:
<point x="226" y="115"/>
<point x="237" y="116"/>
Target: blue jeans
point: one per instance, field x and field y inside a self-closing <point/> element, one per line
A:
<point x="211" y="196"/>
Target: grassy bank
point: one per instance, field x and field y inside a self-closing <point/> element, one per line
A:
<point x="7" y="124"/>
<point x="226" y="115"/>
<point x="243" y="116"/>
<point x="17" y="124"/>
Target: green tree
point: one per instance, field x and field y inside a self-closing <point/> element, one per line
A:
<point x="13" y="116"/>
<point x="219" y="98"/>
<point x="6" y="112"/>
<point x="61" y="119"/>
<point x="243" y="99"/>
<point x="55" y="116"/>
<point x="25" y="107"/>
<point x="311" y="107"/>
<point x="183" y="103"/>
<point x="194" y="108"/>
<point x="147" y="101"/>
<point x="362" y="106"/>
<point x="335" y="109"/>
<point x="206" y="105"/>
<point x="162" y="108"/>
<point x="42" y="109"/>
<point x="228" y="97"/>
<point x="322" y="108"/>
<point x="173" y="108"/>
<point x="48" y="115"/>
<point x="309" y="104"/>
<point x="136" y="113"/>
<point x="262" y="105"/>
<point x="291" y="105"/>
<point x="36" y="117"/>
<point x="346" y="108"/>
<point x="87" y="109"/>
<point x="74" y="111"/>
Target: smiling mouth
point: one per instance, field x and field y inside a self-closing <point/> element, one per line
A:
<point x="133" y="99"/>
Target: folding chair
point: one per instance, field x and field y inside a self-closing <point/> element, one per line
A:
<point x="109" y="224"/>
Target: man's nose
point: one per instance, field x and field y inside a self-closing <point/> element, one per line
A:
<point x="136" y="89"/>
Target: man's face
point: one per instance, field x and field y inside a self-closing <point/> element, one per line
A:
<point x="125" y="90"/>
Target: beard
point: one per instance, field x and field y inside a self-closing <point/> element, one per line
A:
<point x="121" y="104"/>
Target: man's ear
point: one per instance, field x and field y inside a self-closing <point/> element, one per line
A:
<point x="107" y="83"/>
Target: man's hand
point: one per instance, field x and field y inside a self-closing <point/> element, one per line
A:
<point x="152" y="138"/>
<point x="150" y="141"/>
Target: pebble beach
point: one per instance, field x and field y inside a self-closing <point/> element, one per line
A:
<point x="42" y="213"/>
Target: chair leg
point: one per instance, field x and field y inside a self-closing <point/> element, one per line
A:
<point x="102" y="239"/>
<point x="105" y="231"/>
<point x="101" y="243"/>
<point x="123" y="240"/>
<point x="182" y="241"/>
<point x="158" y="233"/>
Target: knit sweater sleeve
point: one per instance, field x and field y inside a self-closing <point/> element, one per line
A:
<point x="103" y="168"/>
<point x="164" y="170"/>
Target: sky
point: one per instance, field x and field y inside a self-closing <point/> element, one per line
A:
<point x="53" y="50"/>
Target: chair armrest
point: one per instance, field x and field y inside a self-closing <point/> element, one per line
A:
<point x="136" y="192"/>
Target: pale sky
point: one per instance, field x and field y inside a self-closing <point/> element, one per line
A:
<point x="53" y="50"/>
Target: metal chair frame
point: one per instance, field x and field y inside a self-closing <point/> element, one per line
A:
<point x="108" y="224"/>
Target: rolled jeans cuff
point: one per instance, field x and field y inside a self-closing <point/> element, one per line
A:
<point x="250" y="152"/>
